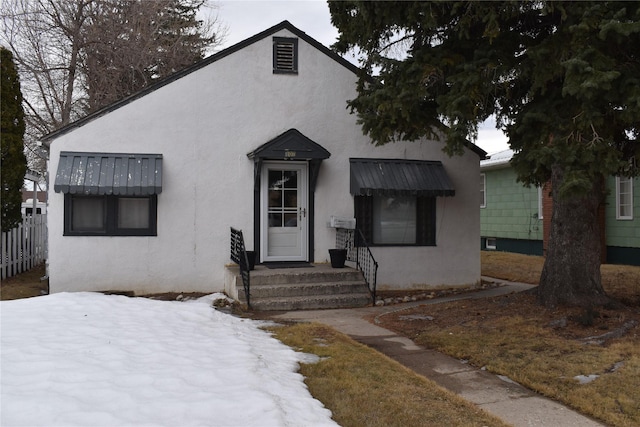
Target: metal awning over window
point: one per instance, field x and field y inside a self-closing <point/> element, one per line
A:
<point x="109" y="173"/>
<point x="382" y="177"/>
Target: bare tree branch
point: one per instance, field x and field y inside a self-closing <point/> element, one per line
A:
<point x="76" y="56"/>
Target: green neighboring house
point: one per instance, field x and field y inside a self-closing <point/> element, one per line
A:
<point x="513" y="217"/>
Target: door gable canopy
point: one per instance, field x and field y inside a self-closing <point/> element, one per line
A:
<point x="291" y="145"/>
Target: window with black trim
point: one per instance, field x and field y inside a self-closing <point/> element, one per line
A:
<point x="285" y="55"/>
<point x="29" y="211"/>
<point x="397" y="220"/>
<point x="110" y="215"/>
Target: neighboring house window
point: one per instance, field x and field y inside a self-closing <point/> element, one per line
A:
<point x="483" y="190"/>
<point x="285" y="55"/>
<point x="397" y="220"/>
<point x="490" y="243"/>
<point x="110" y="215"/>
<point x="540" y="207"/>
<point x="624" y="198"/>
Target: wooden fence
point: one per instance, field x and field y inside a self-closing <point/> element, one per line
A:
<point x="24" y="247"/>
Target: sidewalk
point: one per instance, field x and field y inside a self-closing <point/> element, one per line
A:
<point x="495" y="394"/>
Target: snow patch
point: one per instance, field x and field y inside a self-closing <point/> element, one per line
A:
<point x="88" y="359"/>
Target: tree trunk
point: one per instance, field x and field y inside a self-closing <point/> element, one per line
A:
<point x="571" y="272"/>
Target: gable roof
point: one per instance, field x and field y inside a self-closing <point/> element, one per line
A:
<point x="284" y="25"/>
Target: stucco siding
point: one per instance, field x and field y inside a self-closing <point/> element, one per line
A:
<point x="204" y="124"/>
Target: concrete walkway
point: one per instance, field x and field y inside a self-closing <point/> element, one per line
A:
<point x="495" y="394"/>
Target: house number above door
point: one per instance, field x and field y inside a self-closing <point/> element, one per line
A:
<point x="289" y="154"/>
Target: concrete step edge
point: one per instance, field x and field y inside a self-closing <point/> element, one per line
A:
<point x="312" y="302"/>
<point x="305" y="289"/>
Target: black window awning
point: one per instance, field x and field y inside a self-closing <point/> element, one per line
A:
<point x="109" y="174"/>
<point x="384" y="177"/>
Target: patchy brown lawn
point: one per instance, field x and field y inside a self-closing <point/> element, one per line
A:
<point x="550" y="351"/>
<point x="25" y="285"/>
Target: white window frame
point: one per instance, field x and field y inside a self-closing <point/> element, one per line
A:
<point x="619" y="216"/>
<point x="540" y="205"/>
<point x="483" y="190"/>
<point x="492" y="245"/>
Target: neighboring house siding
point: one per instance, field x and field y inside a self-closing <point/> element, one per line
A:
<point x="510" y="219"/>
<point x="623" y="235"/>
<point x="510" y="215"/>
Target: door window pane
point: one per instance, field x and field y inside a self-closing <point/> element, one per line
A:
<point x="290" y="219"/>
<point x="133" y="212"/>
<point x="394" y="220"/>
<point x="275" y="198"/>
<point x="290" y="179"/>
<point x="291" y="199"/>
<point x="276" y="180"/>
<point x="88" y="214"/>
<point x="275" y="220"/>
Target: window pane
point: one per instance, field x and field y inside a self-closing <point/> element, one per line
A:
<point x="291" y="199"/>
<point x="133" y="213"/>
<point x="625" y="198"/>
<point x="290" y="219"/>
<point x="275" y="198"/>
<point x="275" y="220"/>
<point x="625" y="211"/>
<point x="275" y="179"/>
<point x="87" y="214"/>
<point x="394" y="220"/>
<point x="290" y="179"/>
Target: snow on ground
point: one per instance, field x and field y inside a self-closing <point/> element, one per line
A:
<point x="87" y="359"/>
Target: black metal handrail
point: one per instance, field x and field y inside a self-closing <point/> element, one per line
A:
<point x="358" y="251"/>
<point x="239" y="256"/>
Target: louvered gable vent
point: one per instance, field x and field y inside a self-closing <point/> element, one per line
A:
<point x="285" y="55"/>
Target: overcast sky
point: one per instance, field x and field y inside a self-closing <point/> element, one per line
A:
<point x="243" y="19"/>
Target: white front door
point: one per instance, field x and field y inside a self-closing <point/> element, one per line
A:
<point x="283" y="207"/>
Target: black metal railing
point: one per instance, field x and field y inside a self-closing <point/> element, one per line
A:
<point x="239" y="256"/>
<point x="358" y="251"/>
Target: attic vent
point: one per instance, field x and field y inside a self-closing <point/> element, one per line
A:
<point x="285" y="55"/>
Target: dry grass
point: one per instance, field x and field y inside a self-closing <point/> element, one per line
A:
<point x="25" y="285"/>
<point x="365" y="388"/>
<point x="537" y="357"/>
<point x="540" y="348"/>
<point x="620" y="281"/>
<point x="513" y="267"/>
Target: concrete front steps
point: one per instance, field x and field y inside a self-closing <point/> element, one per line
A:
<point x="305" y="288"/>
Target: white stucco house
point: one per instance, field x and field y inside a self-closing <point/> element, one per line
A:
<point x="256" y="137"/>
